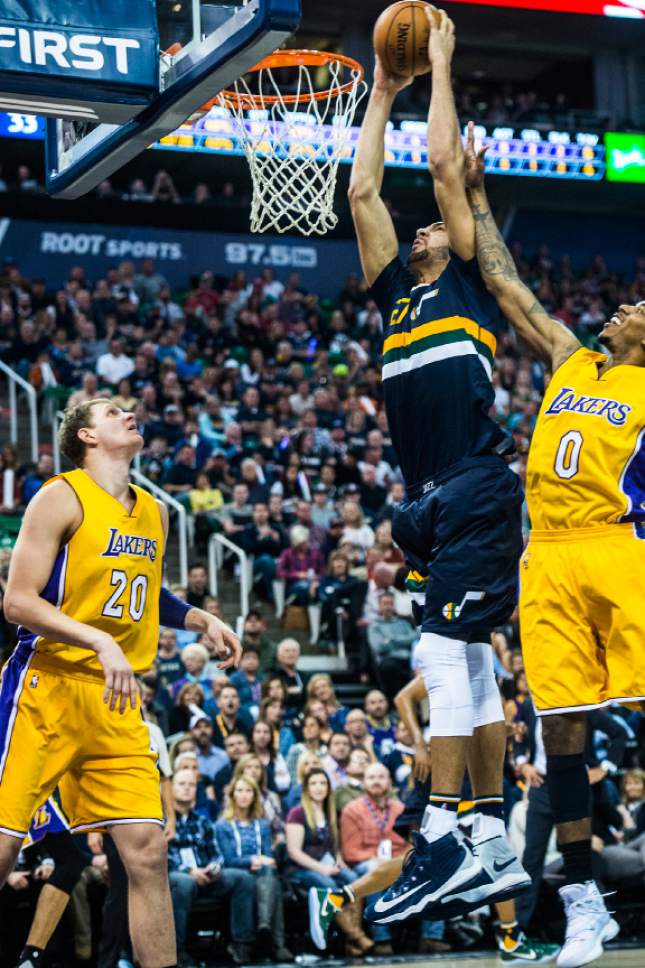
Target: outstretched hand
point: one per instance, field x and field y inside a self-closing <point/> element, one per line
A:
<point x="474" y="163"/>
<point x="441" y="43"/>
<point x="390" y="83"/>
<point x="225" y="642"/>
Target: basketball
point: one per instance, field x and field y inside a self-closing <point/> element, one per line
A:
<point x="401" y="37"/>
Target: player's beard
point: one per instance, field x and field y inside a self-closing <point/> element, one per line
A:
<point x="431" y="257"/>
<point x="604" y="340"/>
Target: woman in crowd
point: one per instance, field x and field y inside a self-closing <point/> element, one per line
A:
<point x="356" y="533"/>
<point x="272" y="711"/>
<point x="293" y="485"/>
<point x="314" y="857"/>
<point x="317" y="708"/>
<point x="244" y="839"/>
<point x="273" y="687"/>
<point x="250" y="765"/>
<point x="190" y="699"/>
<point x="263" y="744"/>
<point x="204" y="501"/>
<point x="184" y="743"/>
<point x="124" y="397"/>
<point x="311" y="743"/>
<point x="251" y="372"/>
<point x="320" y="687"/>
<point x="308" y="761"/>
<point x="301" y="567"/>
<point x="633" y="801"/>
<point x="624" y="859"/>
<point x="384" y="543"/>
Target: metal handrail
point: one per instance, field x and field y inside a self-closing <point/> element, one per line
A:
<point x="172" y="502"/>
<point x="16" y="380"/>
<point x="221" y="539"/>
<point x="57" y="416"/>
<point x="154" y="489"/>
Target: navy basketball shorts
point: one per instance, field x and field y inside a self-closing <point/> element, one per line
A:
<point x="464" y="531"/>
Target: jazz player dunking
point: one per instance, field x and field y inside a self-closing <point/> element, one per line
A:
<point x="85" y="587"/>
<point x="460" y="522"/>
<point x="583" y="573"/>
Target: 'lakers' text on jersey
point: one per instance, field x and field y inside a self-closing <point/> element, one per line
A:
<point x="108" y="576"/>
<point x="438" y="351"/>
<point x="587" y="460"/>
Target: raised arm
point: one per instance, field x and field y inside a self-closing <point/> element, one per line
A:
<point x="547" y="337"/>
<point x="377" y="241"/>
<point x="445" y="151"/>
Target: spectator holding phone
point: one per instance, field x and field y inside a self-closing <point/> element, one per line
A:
<point x="197" y="869"/>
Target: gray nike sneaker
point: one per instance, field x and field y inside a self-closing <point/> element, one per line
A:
<point x="502" y="878"/>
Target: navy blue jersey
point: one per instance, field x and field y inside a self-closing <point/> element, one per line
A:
<point x="438" y="351"/>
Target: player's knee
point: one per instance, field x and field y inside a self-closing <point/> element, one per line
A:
<point x="564" y="735"/>
<point x="487" y="701"/>
<point x="144" y="854"/>
<point x="568" y="785"/>
<point x="67" y="875"/>
<point x="443" y="664"/>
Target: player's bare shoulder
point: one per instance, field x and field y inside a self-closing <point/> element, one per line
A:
<point x="55" y="509"/>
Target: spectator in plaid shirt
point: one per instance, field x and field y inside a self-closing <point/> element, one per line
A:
<point x="196" y="870"/>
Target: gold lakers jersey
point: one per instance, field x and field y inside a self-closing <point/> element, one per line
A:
<point x="108" y="576"/>
<point x="586" y="464"/>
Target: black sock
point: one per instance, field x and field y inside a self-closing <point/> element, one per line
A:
<point x="445" y="801"/>
<point x="30" y="952"/>
<point x="577" y="861"/>
<point x="491" y="805"/>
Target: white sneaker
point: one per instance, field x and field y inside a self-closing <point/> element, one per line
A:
<point x="503" y="878"/>
<point x="589" y="925"/>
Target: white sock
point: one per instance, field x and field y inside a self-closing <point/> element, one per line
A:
<point x="485" y="827"/>
<point x="437" y="823"/>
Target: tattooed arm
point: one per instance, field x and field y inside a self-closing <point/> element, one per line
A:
<point x="547" y="337"/>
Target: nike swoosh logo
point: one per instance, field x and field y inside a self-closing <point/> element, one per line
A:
<point x="382" y="906"/>
<point x="526" y="956"/>
<point x="500" y="867"/>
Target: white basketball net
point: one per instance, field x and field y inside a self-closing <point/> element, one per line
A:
<point x="293" y="150"/>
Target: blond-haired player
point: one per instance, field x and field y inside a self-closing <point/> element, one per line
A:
<point x="85" y="587"/>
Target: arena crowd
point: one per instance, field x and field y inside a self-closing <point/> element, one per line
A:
<point x="261" y="411"/>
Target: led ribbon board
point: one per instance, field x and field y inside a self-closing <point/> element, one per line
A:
<point x="513" y="150"/>
<point x="634" y="9"/>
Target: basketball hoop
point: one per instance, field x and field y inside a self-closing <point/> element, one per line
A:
<point x="294" y="141"/>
